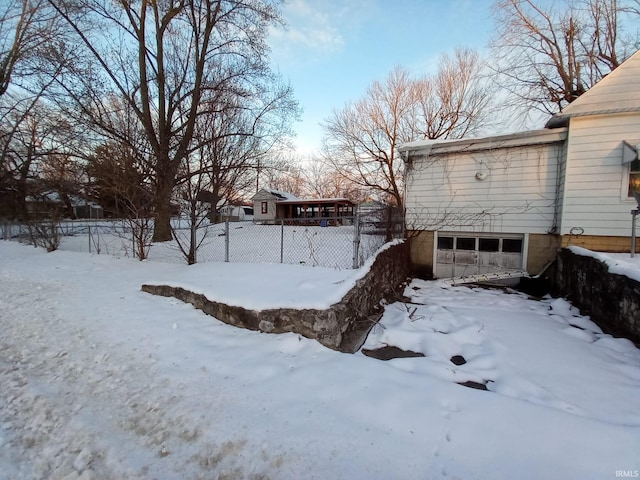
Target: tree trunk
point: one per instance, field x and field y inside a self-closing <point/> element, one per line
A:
<point x="162" y="211"/>
<point x="193" y="239"/>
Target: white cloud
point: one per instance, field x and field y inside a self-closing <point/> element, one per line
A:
<point x="314" y="28"/>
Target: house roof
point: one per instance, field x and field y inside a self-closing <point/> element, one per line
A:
<point x="532" y="137"/>
<point x="317" y="201"/>
<point x="54" y="197"/>
<point x="279" y="196"/>
<point x="618" y="92"/>
<point x="282" y="195"/>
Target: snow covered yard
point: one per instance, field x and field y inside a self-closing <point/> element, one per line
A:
<point x="99" y="380"/>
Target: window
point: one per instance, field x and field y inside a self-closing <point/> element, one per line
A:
<point x="512" y="245"/>
<point x="445" y="243"/>
<point x="264" y="207"/>
<point x="465" y="243"/>
<point x="634" y="177"/>
<point x="489" y="244"/>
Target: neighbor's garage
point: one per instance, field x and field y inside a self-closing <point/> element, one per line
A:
<point x="461" y="254"/>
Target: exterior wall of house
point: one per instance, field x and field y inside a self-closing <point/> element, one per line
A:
<point x="503" y="187"/>
<point x="258" y="198"/>
<point x="502" y="190"/>
<point x="541" y="250"/>
<point x="560" y="185"/>
<point x="596" y="181"/>
<point x="258" y="216"/>
<point x="600" y="243"/>
<point x="421" y="248"/>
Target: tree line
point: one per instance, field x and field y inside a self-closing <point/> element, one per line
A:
<point x="159" y="98"/>
<point x="142" y="105"/>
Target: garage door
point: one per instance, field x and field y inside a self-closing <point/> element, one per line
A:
<point x="462" y="254"/>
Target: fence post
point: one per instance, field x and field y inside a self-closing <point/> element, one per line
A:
<point x="133" y="243"/>
<point x="226" y="240"/>
<point x="281" y="241"/>
<point x="89" y="228"/>
<point x="356" y="241"/>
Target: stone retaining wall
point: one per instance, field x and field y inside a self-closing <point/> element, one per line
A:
<point x="612" y="301"/>
<point x="342" y="327"/>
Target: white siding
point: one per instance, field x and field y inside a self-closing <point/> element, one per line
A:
<point x="620" y="89"/>
<point x="518" y="195"/>
<point x="595" y="189"/>
<point x="562" y="173"/>
<point x="257" y="210"/>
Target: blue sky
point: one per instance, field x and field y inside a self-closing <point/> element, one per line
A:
<point x="332" y="50"/>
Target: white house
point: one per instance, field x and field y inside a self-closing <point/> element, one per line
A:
<point x="272" y="205"/>
<point x="508" y="202"/>
<point x="265" y="204"/>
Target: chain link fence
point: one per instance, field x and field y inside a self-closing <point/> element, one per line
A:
<point x="344" y="242"/>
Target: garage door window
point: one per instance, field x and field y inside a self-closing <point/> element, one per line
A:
<point x="465" y="243"/>
<point x="489" y="245"/>
<point x="445" y="243"/>
<point x="512" y="245"/>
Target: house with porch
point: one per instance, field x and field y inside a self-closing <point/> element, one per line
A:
<point x="508" y="202"/>
<point x="271" y="206"/>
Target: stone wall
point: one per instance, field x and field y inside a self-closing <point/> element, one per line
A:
<point x="612" y="301"/>
<point x="342" y="327"/>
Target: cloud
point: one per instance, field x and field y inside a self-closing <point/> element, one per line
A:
<point x="314" y="28"/>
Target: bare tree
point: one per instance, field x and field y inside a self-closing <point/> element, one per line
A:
<point x="35" y="143"/>
<point x="455" y="102"/>
<point x="361" y="140"/>
<point x="322" y="181"/>
<point x="240" y="137"/>
<point x="27" y="28"/>
<point x="230" y="142"/>
<point x="195" y="181"/>
<point x="286" y="175"/>
<point x="121" y="181"/>
<point x="549" y="55"/>
<point x="165" y="60"/>
<point x="313" y="178"/>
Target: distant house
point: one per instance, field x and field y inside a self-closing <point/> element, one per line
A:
<point x="370" y="206"/>
<point x="508" y="202"/>
<point x="51" y="203"/>
<point x="273" y="205"/>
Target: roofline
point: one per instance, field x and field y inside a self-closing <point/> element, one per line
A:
<point x="562" y="119"/>
<point x="310" y="201"/>
<point x="531" y="137"/>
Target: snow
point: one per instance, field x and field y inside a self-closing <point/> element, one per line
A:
<point x="268" y="285"/>
<point x="262" y="286"/>
<point x="619" y="263"/>
<point x="99" y="380"/>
